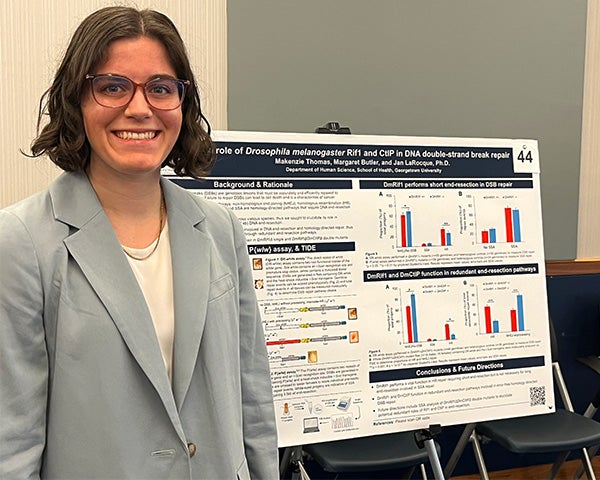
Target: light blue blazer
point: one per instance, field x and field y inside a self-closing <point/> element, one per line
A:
<point x="84" y="393"/>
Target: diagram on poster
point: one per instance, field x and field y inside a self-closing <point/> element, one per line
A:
<point x="401" y="280"/>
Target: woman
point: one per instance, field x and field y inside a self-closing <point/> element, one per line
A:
<point x="131" y="344"/>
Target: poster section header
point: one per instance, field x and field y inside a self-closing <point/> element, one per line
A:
<point x="339" y="160"/>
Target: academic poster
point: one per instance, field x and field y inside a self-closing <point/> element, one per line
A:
<point x="401" y="280"/>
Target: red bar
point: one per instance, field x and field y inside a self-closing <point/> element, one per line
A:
<point x="403" y="229"/>
<point x="284" y="342"/>
<point x="513" y="321"/>
<point x="447" y="332"/>
<point x="443" y="236"/>
<point x="488" y="319"/>
<point x="508" y="223"/>
<point x="409" y="325"/>
<point x="485" y="236"/>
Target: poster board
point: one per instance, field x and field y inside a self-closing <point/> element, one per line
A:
<point x="401" y="280"/>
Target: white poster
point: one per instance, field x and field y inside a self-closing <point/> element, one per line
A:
<point x="401" y="279"/>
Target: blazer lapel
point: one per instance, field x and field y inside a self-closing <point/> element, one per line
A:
<point x="96" y="249"/>
<point x="190" y="252"/>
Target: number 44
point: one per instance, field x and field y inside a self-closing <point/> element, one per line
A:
<point x="525" y="156"/>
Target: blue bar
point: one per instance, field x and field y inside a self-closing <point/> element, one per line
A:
<point x="495" y="326"/>
<point x="408" y="229"/>
<point x="413" y="309"/>
<point x="520" y="314"/>
<point x="492" y="235"/>
<point x="448" y="239"/>
<point x="516" y="225"/>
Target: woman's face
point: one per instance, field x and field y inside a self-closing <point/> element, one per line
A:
<point x="136" y="138"/>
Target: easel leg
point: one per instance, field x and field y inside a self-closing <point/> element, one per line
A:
<point x="424" y="438"/>
<point x="479" y="456"/>
<point x="458" y="450"/>
<point x="434" y="460"/>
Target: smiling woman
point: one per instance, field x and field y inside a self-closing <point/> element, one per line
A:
<point x="125" y="300"/>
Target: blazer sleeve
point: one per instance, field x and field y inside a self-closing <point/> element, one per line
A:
<point x="23" y="354"/>
<point x="260" y="432"/>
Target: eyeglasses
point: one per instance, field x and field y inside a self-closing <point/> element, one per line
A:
<point x="116" y="91"/>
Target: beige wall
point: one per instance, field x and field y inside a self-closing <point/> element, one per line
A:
<point x="588" y="232"/>
<point x="33" y="35"/>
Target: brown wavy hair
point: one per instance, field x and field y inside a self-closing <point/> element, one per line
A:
<point x="63" y="137"/>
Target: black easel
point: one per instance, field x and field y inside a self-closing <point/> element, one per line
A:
<point x="332" y="127"/>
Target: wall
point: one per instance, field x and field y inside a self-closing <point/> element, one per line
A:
<point x="466" y="68"/>
<point x="588" y="231"/>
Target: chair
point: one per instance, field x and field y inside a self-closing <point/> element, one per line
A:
<point x="387" y="452"/>
<point x="560" y="432"/>
<point x="592" y="361"/>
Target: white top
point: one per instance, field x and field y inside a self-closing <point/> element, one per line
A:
<point x="155" y="276"/>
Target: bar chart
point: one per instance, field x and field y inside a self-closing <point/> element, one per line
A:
<point x="461" y="310"/>
<point x="406" y="233"/>
<point x="423" y="321"/>
<point x="455" y="221"/>
<point x="511" y="228"/>
<point x="513" y="318"/>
